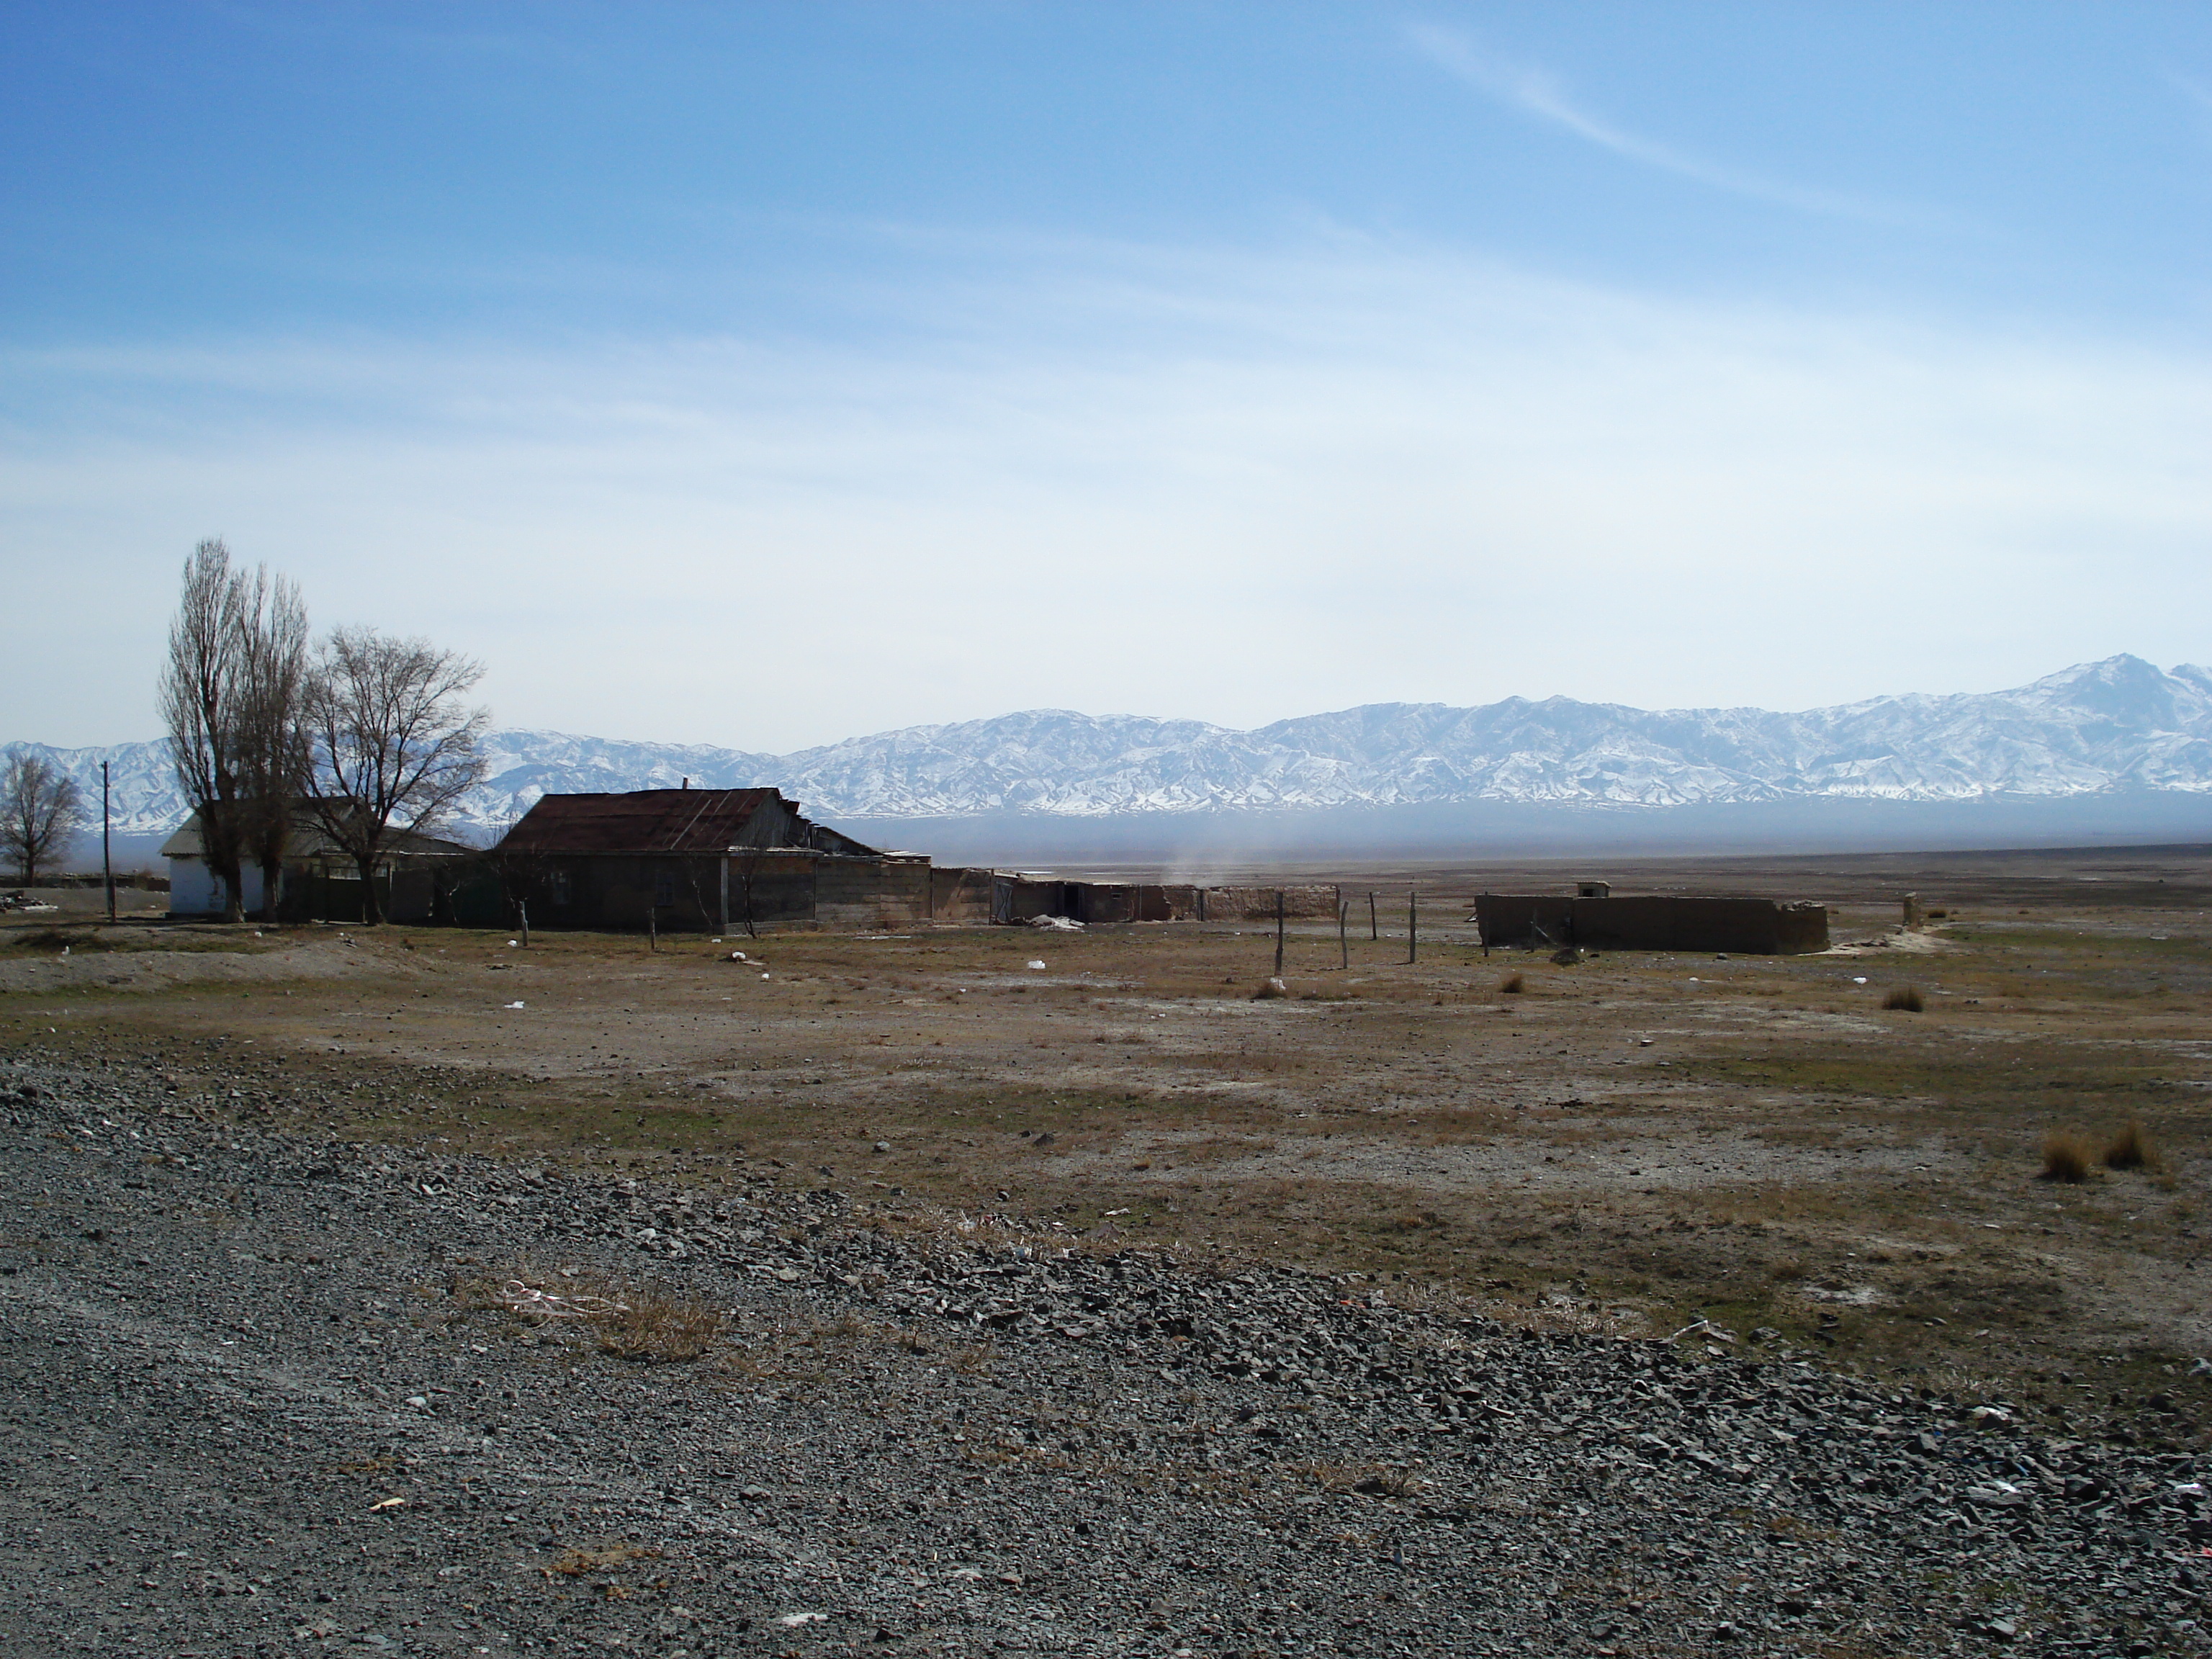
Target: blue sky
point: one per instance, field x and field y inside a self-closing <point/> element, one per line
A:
<point x="763" y="374"/>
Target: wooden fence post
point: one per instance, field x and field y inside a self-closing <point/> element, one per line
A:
<point x="1343" y="940"/>
<point x="1279" y="933"/>
<point x="1412" y="926"/>
<point x="523" y="905"/>
<point x="1374" y="927"/>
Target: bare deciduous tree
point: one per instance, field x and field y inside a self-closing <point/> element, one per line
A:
<point x="198" y="685"/>
<point x="230" y="695"/>
<point x="273" y="747"/>
<point x="392" y="746"/>
<point x="41" y="812"/>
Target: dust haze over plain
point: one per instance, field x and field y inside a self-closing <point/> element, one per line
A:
<point x="765" y="377"/>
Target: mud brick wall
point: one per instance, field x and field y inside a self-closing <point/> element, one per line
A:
<point x="957" y="895"/>
<point x="782" y="889"/>
<point x="1750" y="926"/>
<point x="1258" y="903"/>
<point x="863" y="894"/>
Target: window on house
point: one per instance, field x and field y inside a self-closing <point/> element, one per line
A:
<point x="664" y="887"/>
<point x="558" y="883"/>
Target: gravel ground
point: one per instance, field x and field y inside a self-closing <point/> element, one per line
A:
<point x="264" y="1396"/>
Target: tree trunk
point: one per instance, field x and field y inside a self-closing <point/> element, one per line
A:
<point x="272" y="884"/>
<point x="228" y="869"/>
<point x="372" y="909"/>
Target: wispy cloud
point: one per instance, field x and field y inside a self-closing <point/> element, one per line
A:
<point x="1175" y="480"/>
<point x="1534" y="92"/>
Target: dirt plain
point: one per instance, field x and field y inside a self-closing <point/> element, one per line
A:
<point x="1624" y="1144"/>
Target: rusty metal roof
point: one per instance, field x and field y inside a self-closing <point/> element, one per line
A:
<point x="642" y="821"/>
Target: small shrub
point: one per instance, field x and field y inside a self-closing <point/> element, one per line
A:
<point x="2067" y="1158"/>
<point x="2130" y="1148"/>
<point x="1512" y="985"/>
<point x="1907" y="998"/>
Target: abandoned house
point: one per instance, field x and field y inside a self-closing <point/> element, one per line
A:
<point x="694" y="860"/>
<point x="1596" y="920"/>
<point x="318" y="880"/>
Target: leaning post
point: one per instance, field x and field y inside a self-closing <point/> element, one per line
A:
<point x="106" y="863"/>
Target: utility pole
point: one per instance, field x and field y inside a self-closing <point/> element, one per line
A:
<point x="107" y="862"/>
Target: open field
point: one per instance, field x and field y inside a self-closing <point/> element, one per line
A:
<point x="1003" y="1290"/>
<point x="1624" y="1145"/>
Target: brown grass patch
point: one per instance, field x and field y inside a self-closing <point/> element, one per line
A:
<point x="2130" y="1148"/>
<point x="1905" y="999"/>
<point x="2067" y="1157"/>
<point x="1512" y="985"/>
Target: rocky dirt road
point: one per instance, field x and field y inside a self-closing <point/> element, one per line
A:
<point x="273" y="1392"/>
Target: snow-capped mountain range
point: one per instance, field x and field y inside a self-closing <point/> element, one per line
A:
<point x="2112" y="727"/>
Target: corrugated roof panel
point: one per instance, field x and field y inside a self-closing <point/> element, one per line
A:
<point x="640" y="821"/>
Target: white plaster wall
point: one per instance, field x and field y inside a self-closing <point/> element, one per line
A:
<point x="194" y="891"/>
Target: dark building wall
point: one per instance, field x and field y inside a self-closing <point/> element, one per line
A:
<point x="1752" y="926"/>
<point x="421" y="894"/>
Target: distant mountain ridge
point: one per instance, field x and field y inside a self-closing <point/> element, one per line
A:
<point x="2118" y="726"/>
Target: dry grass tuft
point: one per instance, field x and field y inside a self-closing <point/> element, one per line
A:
<point x="1512" y="985"/>
<point x="1379" y="1480"/>
<point x="625" y="1320"/>
<point x="576" y="1563"/>
<point x="2067" y="1157"/>
<point x="2130" y="1148"/>
<point x="654" y="1329"/>
<point x="1907" y="998"/>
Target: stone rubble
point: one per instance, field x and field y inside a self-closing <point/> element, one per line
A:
<point x="253" y="1407"/>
